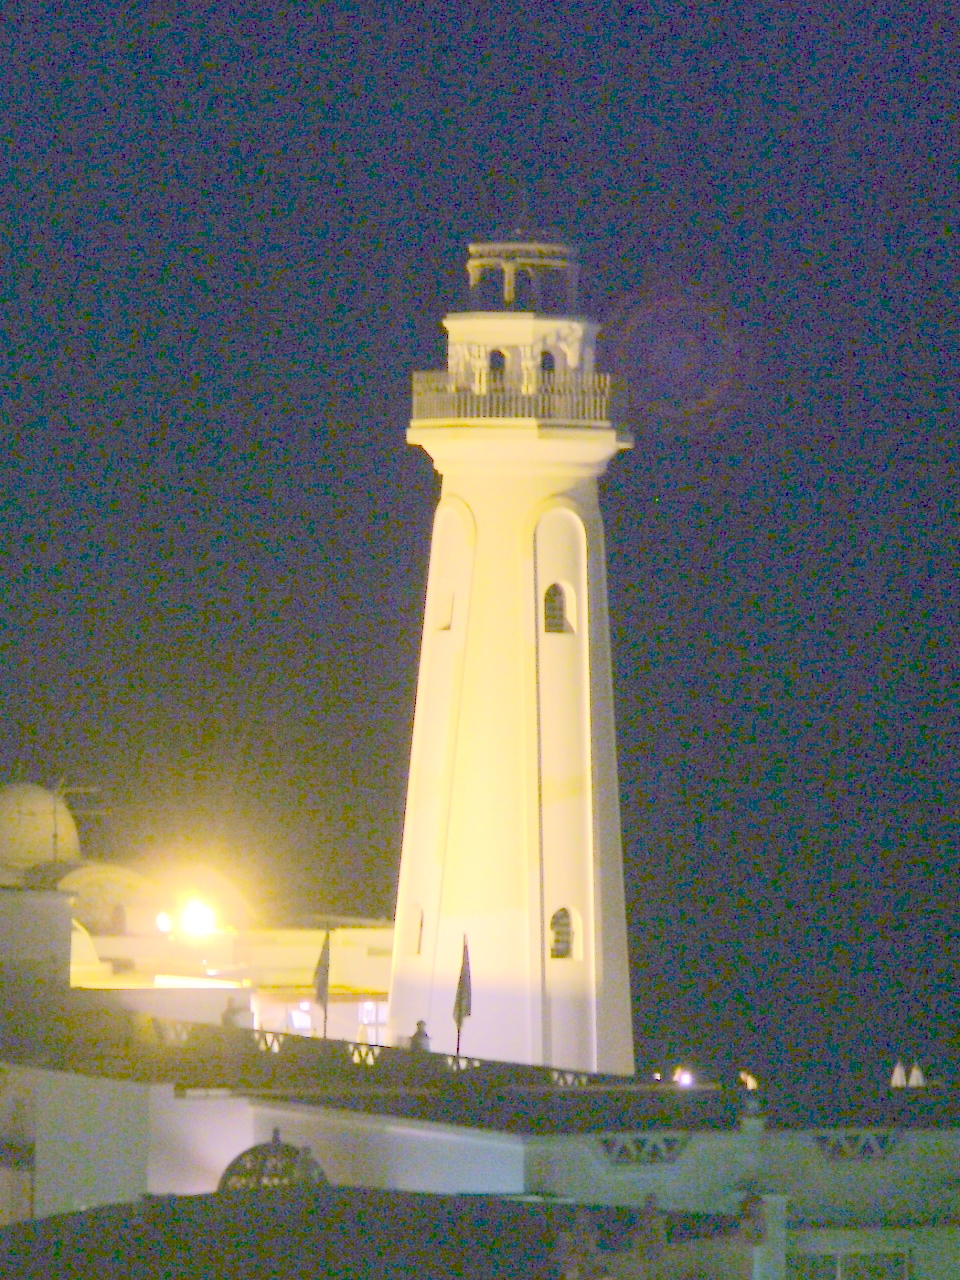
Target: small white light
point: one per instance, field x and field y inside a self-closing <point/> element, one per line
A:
<point x="164" y="923"/>
<point x="305" y="1006"/>
<point x="684" y="1079"/>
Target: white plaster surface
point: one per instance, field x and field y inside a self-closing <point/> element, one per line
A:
<point x="512" y="801"/>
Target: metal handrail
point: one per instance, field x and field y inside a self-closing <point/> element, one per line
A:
<point x="566" y="399"/>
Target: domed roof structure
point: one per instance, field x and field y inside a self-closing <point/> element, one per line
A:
<point x="35" y="826"/>
<point x="270" y="1166"/>
<point x="108" y="898"/>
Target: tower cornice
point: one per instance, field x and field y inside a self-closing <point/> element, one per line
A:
<point x="519" y="444"/>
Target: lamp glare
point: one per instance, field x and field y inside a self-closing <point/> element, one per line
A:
<point x="197" y="919"/>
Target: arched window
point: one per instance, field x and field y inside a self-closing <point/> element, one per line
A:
<point x="498" y="362"/>
<point x="561" y="926"/>
<point x="547" y="363"/>
<point x="555" y="609"/>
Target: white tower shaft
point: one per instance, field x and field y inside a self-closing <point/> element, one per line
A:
<point x="512" y="838"/>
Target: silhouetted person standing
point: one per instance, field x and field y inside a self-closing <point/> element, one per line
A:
<point x="420" y="1041"/>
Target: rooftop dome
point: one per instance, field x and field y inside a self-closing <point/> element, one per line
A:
<point x="108" y="898"/>
<point x="35" y="826"/>
<point x="270" y="1166"/>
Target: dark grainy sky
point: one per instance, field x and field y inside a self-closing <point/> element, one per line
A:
<point x="229" y="234"/>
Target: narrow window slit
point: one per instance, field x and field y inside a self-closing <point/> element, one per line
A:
<point x="444" y="613"/>
<point x="555" y="610"/>
<point x="561" y="948"/>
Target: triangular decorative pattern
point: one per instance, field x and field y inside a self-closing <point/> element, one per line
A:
<point x="855" y="1144"/>
<point x="643" y="1148"/>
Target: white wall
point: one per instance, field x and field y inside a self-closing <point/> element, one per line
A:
<point x="702" y="1179"/>
<point x="936" y="1253"/>
<point x="193" y="1137"/>
<point x="381" y="1151"/>
<point x="92" y="1141"/>
<point x="472" y="863"/>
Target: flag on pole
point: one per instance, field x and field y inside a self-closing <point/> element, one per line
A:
<point x="462" y="1000"/>
<point x="321" y="979"/>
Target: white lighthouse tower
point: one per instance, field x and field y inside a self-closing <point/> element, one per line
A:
<point x="511" y="844"/>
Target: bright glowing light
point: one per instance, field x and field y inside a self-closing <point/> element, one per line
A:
<point x="197" y="918"/>
<point x="164" y="923"/>
<point x="749" y="1081"/>
<point x="683" y="1077"/>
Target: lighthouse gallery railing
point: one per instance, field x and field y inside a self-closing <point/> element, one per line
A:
<point x="586" y="398"/>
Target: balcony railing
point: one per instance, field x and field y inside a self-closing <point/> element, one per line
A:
<point x="583" y="400"/>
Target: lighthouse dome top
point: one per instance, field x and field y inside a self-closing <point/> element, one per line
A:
<point x="523" y="275"/>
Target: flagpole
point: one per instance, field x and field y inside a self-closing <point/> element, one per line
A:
<point x="462" y="1003"/>
<point x="321" y="980"/>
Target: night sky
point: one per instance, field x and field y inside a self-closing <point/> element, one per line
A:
<point x="228" y="236"/>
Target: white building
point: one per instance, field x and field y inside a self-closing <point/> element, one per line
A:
<point x="181" y="946"/>
<point x="757" y="1200"/>
<point x="511" y="847"/>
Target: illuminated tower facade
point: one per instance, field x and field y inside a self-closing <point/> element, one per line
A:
<point x="512" y="833"/>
